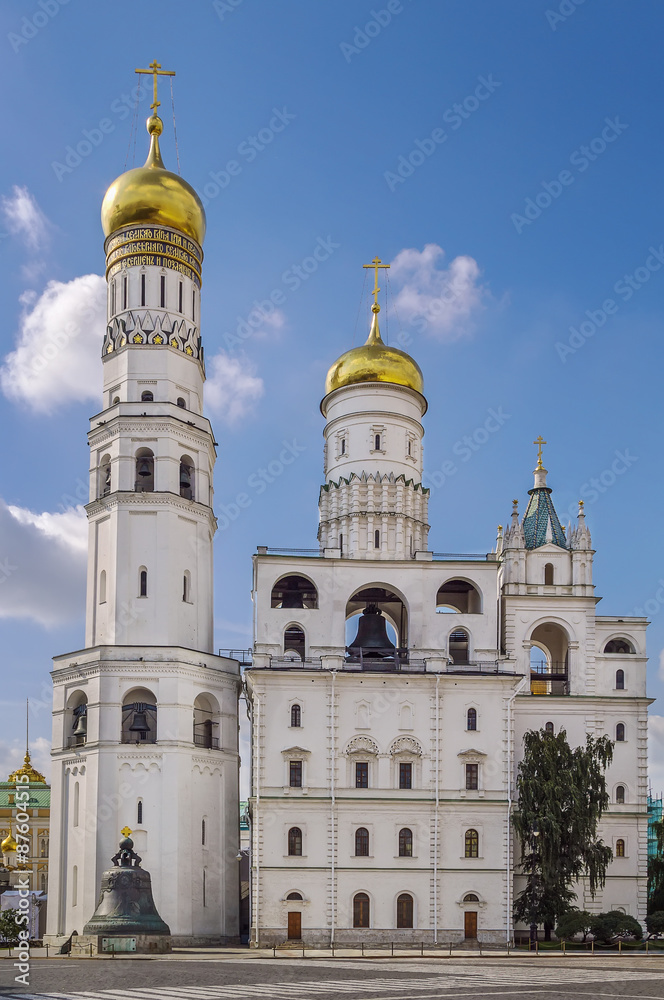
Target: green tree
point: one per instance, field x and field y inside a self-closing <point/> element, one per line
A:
<point x="656" y="871"/>
<point x="655" y="923"/>
<point x="606" y="927"/>
<point x="562" y="795"/>
<point x="574" y="922"/>
<point x="9" y="927"/>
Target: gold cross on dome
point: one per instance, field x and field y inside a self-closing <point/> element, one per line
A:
<point x="539" y="442"/>
<point x="125" y="831"/>
<point x="375" y="263"/>
<point x="156" y="70"/>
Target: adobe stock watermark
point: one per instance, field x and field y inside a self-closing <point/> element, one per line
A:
<point x="363" y="36"/>
<point x="454" y="116"/>
<point x="248" y="150"/>
<point x="293" y="277"/>
<point x="625" y="287"/>
<point x="33" y="23"/>
<point x="581" y="160"/>
<point x="120" y="108"/>
<point x="598" y="485"/>
<point x="258" y="482"/>
<point x="466" y="447"/>
<point x="565" y="10"/>
<point x="224" y="7"/>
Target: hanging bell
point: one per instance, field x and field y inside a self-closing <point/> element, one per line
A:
<point x="185" y="477"/>
<point x="139" y="724"/>
<point x="144" y="467"/>
<point x="81" y="724"/>
<point x="372" y="638"/>
<point x="292" y="599"/>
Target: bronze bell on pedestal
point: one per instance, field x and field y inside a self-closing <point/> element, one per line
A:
<point x="125" y="902"/>
<point x="292" y="599"/>
<point x="372" y="638"/>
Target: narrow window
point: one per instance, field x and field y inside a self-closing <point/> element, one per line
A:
<point x="204" y="887"/>
<point x="548" y="575"/>
<point x="295" y="842"/>
<point x="143" y="289"/>
<point x="549" y="728"/>
<point x="203" y="832"/>
<point x="361" y="910"/>
<point x="472" y="776"/>
<point x="620" y="680"/>
<point x="471" y="844"/>
<point x="76" y="803"/>
<point x="362" y="842"/>
<point x="405" y="843"/>
<point x="405" y="910"/>
<point x="620" y="795"/>
<point x="113" y="297"/>
<point x="343" y="446"/>
<point x="471" y="719"/>
<point x="143" y="583"/>
<point x="193" y="303"/>
<point x="295" y="716"/>
<point x="186" y="587"/>
<point x="341" y="544"/>
<point x="377" y="442"/>
<point x="361" y="774"/>
<point x="295" y="774"/>
<point x="376" y="539"/>
<point x="620" y="848"/>
<point x="139" y="813"/>
<point x="124" y="293"/>
<point x="405" y="775"/>
<point x="620" y="732"/>
<point x="74" y="886"/>
<point x="180" y="298"/>
<point x="102" y="587"/>
<point x="410" y="447"/>
<point x="162" y="296"/>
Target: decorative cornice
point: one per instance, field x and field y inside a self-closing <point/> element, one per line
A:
<point x="387" y="478"/>
<point x="122" y="498"/>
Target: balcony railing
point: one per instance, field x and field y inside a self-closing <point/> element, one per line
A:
<point x="549" y="679"/>
<point x="76" y="741"/>
<point x="244" y="656"/>
<point x="203" y="740"/>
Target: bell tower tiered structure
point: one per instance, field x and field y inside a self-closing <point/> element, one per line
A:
<point x="145" y="717"/>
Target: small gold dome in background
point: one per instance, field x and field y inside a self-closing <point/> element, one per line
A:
<point x="375" y="362"/>
<point x="153" y="196"/>
<point x="8" y="844"/>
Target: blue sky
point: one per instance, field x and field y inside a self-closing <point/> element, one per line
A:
<point x="537" y="199"/>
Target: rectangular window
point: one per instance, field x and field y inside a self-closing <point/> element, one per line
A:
<point x="124" y="293"/>
<point x="163" y="291"/>
<point x="143" y="289"/>
<point x="295" y="774"/>
<point x="361" y="774"/>
<point x="180" y="298"/>
<point x="472" y="776"/>
<point x="405" y="775"/>
<point x="193" y="304"/>
<point x="113" y="297"/>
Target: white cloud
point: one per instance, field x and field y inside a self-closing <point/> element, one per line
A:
<point x="24" y="218"/>
<point x="656" y="752"/>
<point x="42" y="565"/>
<point x="58" y="347"/>
<point x="439" y="300"/>
<point x="231" y="389"/>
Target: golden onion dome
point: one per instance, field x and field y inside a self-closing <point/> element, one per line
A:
<point x="153" y="196"/>
<point x="375" y="362"/>
<point x="34" y="777"/>
<point x="8" y="844"/>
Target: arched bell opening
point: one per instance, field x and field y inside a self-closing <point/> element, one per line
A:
<point x="187" y="473"/>
<point x="206" y="722"/>
<point x="549" y="660"/>
<point x="104" y="477"/>
<point x="459" y="597"/>
<point x="144" y="482"/>
<point x="376" y="629"/>
<point x="77" y="719"/>
<point x="139" y="717"/>
<point x="294" y="642"/>
<point x="294" y="592"/>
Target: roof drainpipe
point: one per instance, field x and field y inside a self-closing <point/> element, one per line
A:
<point x="510" y="767"/>
<point x="435" y="819"/>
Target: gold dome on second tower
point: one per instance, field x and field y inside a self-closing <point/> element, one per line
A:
<point x="375" y="361"/>
<point x="153" y="196"/>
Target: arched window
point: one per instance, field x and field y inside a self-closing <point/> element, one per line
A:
<point x="471" y="897"/>
<point x="124" y="293"/>
<point x="342" y="450"/>
<point x="294" y="592"/>
<point x="104" y="486"/>
<point x="294" y="642"/>
<point x="186" y="587"/>
<point x="295" y="716"/>
<point x="162" y="291"/>
<point x="620" y="848"/>
<point x="361" y="910"/>
<point x="620" y="680"/>
<point x="139" y="717"/>
<point x="143" y="288"/>
<point x="405" y="843"/>
<point x="181" y="403"/>
<point x="548" y="575"/>
<point x="471" y="844"/>
<point x="139" y="813"/>
<point x="376" y="539"/>
<point x="77" y="797"/>
<point x="549" y="728"/>
<point x="147" y="397"/>
<point x="620" y="732"/>
<point x="405" y="910"/>
<point x="459" y="597"/>
<point x="203" y="832"/>
<point x="180" y="297"/>
<point x="295" y="842"/>
<point x="43" y="848"/>
<point x="294" y="896"/>
<point x="144" y="482"/>
<point x="459" y="643"/>
<point x="116" y="400"/>
<point x="471" y="719"/>
<point x="377" y="442"/>
<point x="102" y="587"/>
<point x="74" y="886"/>
<point x="621" y="646"/>
<point x="362" y="842"/>
<point x="142" y="582"/>
<point x="187" y="472"/>
<point x="206" y="716"/>
<point x="620" y="795"/>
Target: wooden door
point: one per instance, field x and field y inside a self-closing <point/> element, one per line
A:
<point x="294" y="926"/>
<point x="470" y="924"/>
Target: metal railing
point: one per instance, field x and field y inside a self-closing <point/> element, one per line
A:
<point x="462" y="555"/>
<point x="245" y="656"/>
<point x="76" y="741"/>
<point x="203" y="740"/>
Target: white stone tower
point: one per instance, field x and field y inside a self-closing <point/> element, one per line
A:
<point x="145" y="725"/>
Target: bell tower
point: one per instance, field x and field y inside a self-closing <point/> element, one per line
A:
<point x="145" y="717"/>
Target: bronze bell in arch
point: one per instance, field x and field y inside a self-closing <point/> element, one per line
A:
<point x="144" y="467"/>
<point x="372" y="638"/>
